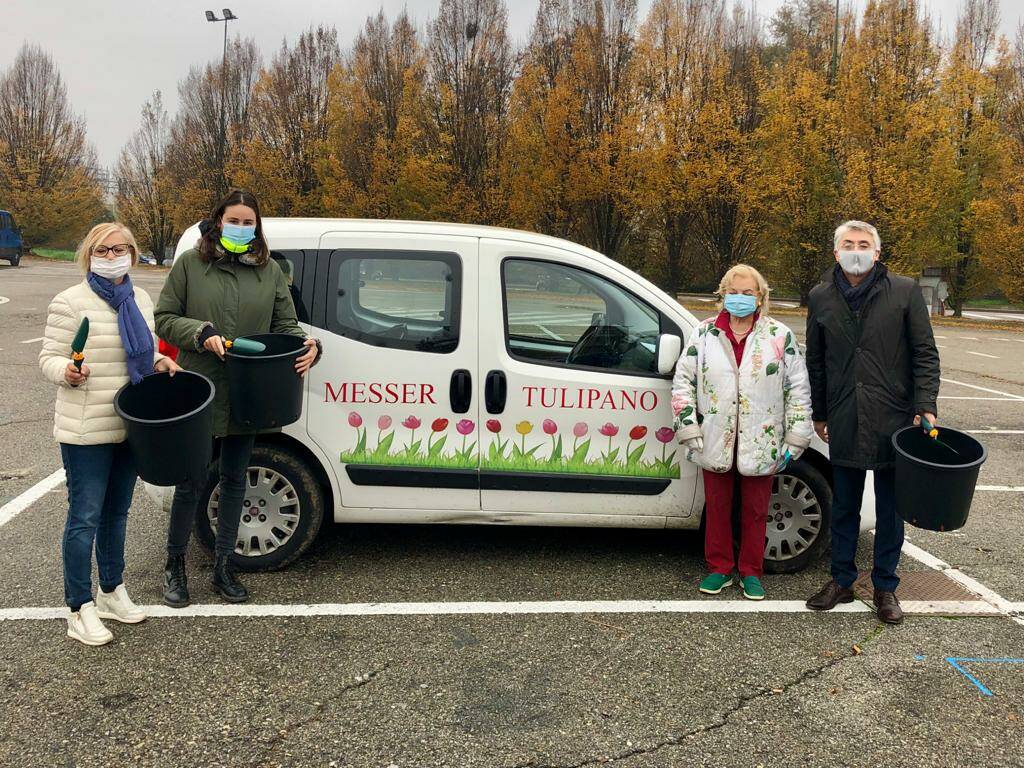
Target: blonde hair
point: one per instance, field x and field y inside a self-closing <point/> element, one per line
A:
<point x="745" y="270"/>
<point x="97" y="235"/>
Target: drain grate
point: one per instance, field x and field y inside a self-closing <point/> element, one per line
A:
<point x="928" y="592"/>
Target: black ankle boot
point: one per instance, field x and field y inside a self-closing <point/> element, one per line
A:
<point x="225" y="583"/>
<point x="175" y="582"/>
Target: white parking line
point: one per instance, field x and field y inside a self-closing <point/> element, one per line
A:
<point x="1001" y="488"/>
<point x="991" y="399"/>
<point x="22" y="502"/>
<point x="981" y="354"/>
<point x="995" y="431"/>
<point x="4" y="299"/>
<point x="30" y="341"/>
<point x="966" y="338"/>
<point x="983" y="389"/>
<point x="457" y="608"/>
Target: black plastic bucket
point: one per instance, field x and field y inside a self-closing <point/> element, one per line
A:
<point x="934" y="485"/>
<point x="169" y="420"/>
<point x="264" y="389"/>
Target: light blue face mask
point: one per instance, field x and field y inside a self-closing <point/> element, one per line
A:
<point x="236" y="234"/>
<point x="739" y="304"/>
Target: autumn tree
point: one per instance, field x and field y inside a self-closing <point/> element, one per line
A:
<point x="727" y="224"/>
<point x="383" y="157"/>
<point x="471" y="68"/>
<point x="977" y="152"/>
<point x="198" y="152"/>
<point x="541" y="149"/>
<point x="800" y="181"/>
<point x="288" y="124"/>
<point x="680" y="48"/>
<point x="895" y="163"/>
<point x="145" y="195"/>
<point x="47" y="167"/>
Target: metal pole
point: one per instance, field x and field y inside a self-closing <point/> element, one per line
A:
<point x="223" y="97"/>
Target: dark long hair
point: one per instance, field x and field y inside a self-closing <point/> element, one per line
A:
<point x="210" y="229"/>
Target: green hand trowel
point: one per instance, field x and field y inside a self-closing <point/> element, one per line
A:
<point x="78" y="344"/>
<point x="933" y="433"/>
<point x="246" y="346"/>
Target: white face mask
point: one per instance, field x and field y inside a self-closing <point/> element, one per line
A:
<point x="856" y="262"/>
<point x="111" y="269"/>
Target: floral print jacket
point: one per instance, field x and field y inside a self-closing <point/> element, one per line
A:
<point x="765" y="399"/>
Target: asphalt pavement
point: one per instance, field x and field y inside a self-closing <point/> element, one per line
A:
<point x="654" y="683"/>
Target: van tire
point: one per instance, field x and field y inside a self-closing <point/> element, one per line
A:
<point x="308" y="492"/>
<point x="801" y="473"/>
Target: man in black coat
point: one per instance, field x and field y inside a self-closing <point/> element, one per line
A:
<point x="874" y="368"/>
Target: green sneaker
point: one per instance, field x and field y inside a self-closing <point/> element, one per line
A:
<point x="752" y="589"/>
<point x="714" y="583"/>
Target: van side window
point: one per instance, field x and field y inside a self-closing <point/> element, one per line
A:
<point x="396" y="299"/>
<point x="563" y="316"/>
<point x="292" y="263"/>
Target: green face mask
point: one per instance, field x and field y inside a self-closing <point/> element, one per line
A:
<point x="231" y="247"/>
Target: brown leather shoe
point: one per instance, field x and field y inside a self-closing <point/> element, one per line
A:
<point x="887" y="607"/>
<point x="830" y="595"/>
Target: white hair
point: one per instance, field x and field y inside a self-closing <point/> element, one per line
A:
<point x="857" y="226"/>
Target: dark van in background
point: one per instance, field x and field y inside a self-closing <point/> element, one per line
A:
<point x="11" y="244"/>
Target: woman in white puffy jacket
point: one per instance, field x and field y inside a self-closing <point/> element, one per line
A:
<point x="742" y="406"/>
<point x="100" y="472"/>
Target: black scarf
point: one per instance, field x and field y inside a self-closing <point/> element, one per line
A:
<point x="855" y="295"/>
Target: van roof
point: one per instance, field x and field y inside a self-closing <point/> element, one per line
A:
<point x="284" y="226"/>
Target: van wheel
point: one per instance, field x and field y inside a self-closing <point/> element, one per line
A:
<point x="16" y="259"/>
<point x="282" y="510"/>
<point x="799" y="519"/>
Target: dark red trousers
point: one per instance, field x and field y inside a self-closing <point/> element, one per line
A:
<point x="718" y="546"/>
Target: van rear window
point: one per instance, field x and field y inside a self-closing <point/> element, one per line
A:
<point x="397" y="299"/>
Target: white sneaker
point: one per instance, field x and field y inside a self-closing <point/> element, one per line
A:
<point x="118" y="606"/>
<point x="85" y="626"/>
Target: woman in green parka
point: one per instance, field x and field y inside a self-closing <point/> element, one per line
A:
<point x="225" y="287"/>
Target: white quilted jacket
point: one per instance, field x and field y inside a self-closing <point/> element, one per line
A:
<point x="766" y="399"/>
<point x="85" y="414"/>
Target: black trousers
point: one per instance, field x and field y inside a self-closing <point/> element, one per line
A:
<point x="235" y="452"/>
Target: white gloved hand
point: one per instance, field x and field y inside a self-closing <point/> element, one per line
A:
<point x="695" y="444"/>
<point x="794" y="452"/>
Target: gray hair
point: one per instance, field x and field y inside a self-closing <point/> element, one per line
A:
<point x="857" y="226"/>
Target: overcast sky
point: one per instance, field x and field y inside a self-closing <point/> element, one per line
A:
<point x="114" y="53"/>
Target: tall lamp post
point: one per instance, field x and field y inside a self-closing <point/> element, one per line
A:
<point x="228" y="16"/>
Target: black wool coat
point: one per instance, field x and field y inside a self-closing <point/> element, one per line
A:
<point x="870" y="371"/>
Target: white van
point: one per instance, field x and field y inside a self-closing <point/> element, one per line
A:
<point x="474" y="374"/>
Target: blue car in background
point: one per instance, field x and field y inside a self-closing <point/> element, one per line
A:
<point x="11" y="244"/>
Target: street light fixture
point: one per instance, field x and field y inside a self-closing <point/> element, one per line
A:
<point x="228" y="16"/>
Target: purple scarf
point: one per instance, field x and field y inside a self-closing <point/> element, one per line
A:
<point x="135" y="334"/>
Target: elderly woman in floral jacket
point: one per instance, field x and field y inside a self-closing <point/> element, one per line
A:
<point x="742" y="406"/>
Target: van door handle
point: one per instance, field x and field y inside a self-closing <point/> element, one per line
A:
<point x="495" y="391"/>
<point x="460" y="393"/>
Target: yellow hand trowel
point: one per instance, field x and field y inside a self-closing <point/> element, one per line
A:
<point x="933" y="433"/>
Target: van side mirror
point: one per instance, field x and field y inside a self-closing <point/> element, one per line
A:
<point x="669" y="347"/>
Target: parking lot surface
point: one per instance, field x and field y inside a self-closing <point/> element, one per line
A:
<point x="495" y="646"/>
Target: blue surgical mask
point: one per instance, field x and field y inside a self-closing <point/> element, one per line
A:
<point x="740" y="305"/>
<point x="237" y="234"/>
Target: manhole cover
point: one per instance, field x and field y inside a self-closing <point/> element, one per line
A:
<point x="928" y="592"/>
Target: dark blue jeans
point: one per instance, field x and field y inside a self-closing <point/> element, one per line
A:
<point x="847" y="491"/>
<point x="101" y="481"/>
